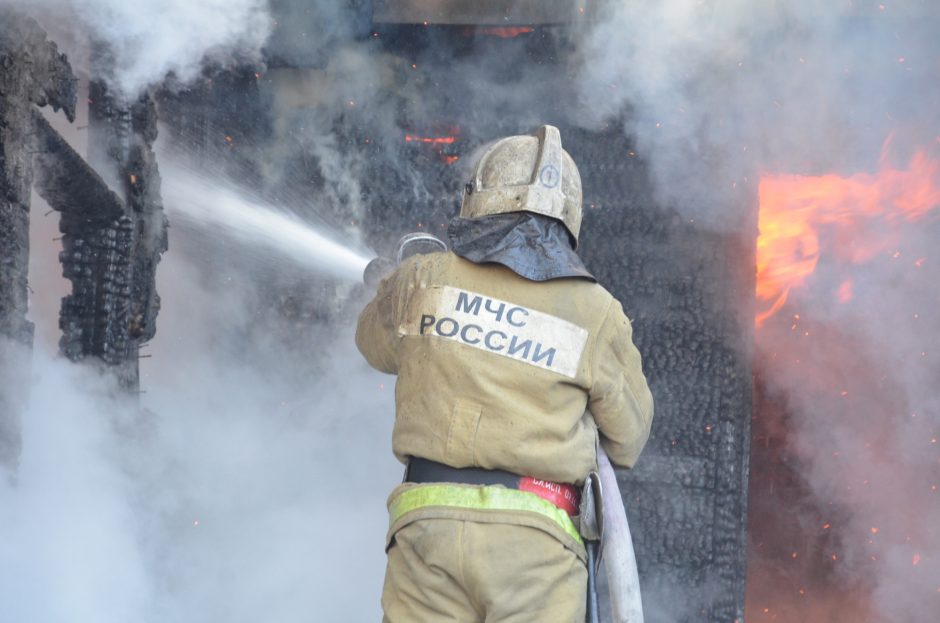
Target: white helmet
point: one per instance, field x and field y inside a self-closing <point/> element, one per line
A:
<point x="528" y="173"/>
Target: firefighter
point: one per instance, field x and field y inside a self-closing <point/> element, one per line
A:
<point x="512" y="364"/>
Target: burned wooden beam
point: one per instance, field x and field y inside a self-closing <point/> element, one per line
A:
<point x="67" y="183"/>
<point x="111" y="257"/>
<point x="32" y="73"/>
<point x="111" y="213"/>
<point x="94" y="249"/>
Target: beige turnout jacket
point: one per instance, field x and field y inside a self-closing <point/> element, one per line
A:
<point x="500" y="372"/>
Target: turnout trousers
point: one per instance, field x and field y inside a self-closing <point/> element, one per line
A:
<point x="444" y="570"/>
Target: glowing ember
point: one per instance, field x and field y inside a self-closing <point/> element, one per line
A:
<point x="507" y="32"/>
<point x="431" y="140"/>
<point x="797" y="211"/>
<point x="845" y="291"/>
<point x="448" y="136"/>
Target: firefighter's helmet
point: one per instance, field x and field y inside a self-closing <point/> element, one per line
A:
<point x="529" y="173"/>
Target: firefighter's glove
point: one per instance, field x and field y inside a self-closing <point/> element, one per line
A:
<point x="418" y="243"/>
<point x="376" y="270"/>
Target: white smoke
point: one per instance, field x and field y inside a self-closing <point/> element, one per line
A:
<point x="249" y="485"/>
<point x="285" y="475"/>
<point x="859" y="380"/>
<point x="150" y="39"/>
<point x="243" y="492"/>
<point x="69" y="546"/>
<point x="717" y="94"/>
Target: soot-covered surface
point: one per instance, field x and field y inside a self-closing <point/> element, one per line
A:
<point x="112" y="240"/>
<point x="32" y="73"/>
<point x="111" y="258"/>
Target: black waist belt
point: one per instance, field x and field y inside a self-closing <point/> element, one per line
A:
<point x="422" y="471"/>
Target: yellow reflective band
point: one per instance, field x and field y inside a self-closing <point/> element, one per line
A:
<point x="479" y="498"/>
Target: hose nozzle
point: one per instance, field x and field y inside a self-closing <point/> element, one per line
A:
<point x="416" y="243"/>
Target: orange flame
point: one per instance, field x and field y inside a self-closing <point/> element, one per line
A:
<point x="852" y="214"/>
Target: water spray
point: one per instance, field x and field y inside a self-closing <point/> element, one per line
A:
<point x="203" y="202"/>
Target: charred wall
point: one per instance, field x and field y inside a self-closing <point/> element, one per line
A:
<point x="32" y="73"/>
<point x="111" y="215"/>
<point x="111" y="254"/>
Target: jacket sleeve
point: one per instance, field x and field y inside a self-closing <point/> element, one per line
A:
<point x="620" y="399"/>
<point x="377" y="331"/>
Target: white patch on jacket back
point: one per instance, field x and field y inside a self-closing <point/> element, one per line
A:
<point x="498" y="327"/>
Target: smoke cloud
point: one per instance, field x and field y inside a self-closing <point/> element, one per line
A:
<point x="717" y="94"/>
<point x="858" y="380"/>
<point x="250" y="487"/>
<point x="720" y="95"/>
<point x="154" y="38"/>
<point x="248" y="483"/>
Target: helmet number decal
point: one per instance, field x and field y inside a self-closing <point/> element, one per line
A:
<point x="549" y="176"/>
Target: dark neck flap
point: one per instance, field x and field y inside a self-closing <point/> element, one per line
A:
<point x="531" y="245"/>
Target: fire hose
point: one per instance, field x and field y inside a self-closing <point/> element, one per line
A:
<point x="623" y="580"/>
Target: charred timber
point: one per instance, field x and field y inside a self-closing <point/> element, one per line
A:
<point x="111" y="254"/>
<point x="32" y="73"/>
<point x="67" y="183"/>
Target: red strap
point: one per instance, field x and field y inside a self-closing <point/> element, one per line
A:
<point x="565" y="497"/>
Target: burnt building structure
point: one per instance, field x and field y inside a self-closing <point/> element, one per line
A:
<point x="32" y="73"/>
<point x="404" y="137"/>
<point x="112" y="222"/>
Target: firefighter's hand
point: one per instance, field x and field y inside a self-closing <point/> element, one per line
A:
<point x="377" y="270"/>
